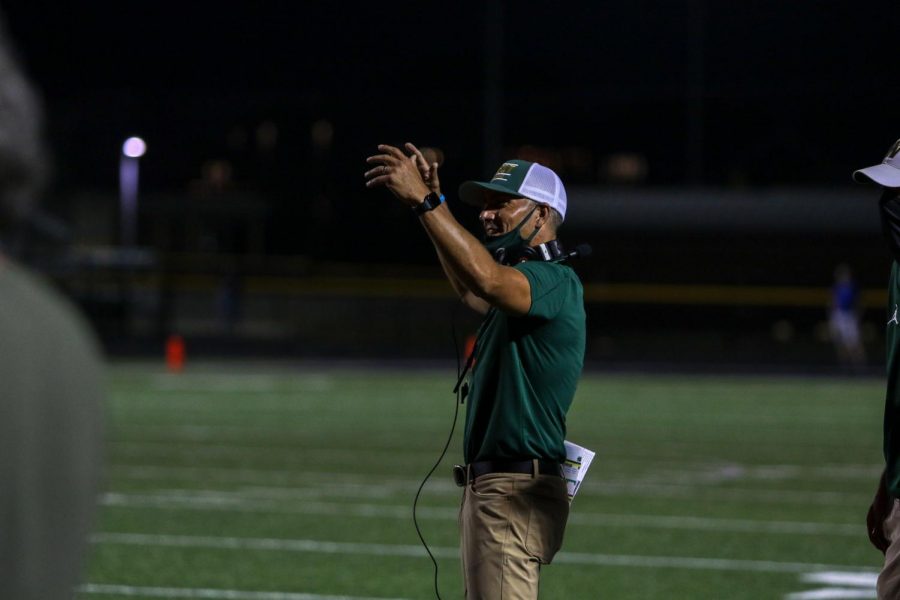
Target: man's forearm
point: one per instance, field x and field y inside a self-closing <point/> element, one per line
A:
<point x="466" y="262"/>
<point x="455" y="283"/>
<point x="467" y="297"/>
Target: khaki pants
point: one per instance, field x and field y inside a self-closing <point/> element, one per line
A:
<point x="510" y="524"/>
<point x="889" y="578"/>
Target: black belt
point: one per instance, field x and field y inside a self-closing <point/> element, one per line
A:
<point x="484" y="467"/>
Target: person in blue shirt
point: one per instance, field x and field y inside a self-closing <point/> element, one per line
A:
<point x="844" y="317"/>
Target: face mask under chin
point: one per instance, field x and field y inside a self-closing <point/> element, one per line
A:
<point x="511" y="243"/>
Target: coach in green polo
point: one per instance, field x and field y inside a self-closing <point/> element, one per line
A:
<point x="883" y="520"/>
<point x="529" y="354"/>
<point x="884" y="515"/>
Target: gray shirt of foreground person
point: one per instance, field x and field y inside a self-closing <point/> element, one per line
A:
<point x="51" y="385"/>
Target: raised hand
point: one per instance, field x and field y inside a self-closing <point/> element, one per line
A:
<point x="429" y="172"/>
<point x="399" y="173"/>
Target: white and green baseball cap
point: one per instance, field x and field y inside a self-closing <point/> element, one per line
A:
<point x="886" y="174"/>
<point x="522" y="179"/>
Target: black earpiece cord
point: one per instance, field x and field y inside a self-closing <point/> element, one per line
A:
<point x="470" y="360"/>
<point x="460" y="373"/>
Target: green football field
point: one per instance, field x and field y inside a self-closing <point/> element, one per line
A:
<point x="295" y="482"/>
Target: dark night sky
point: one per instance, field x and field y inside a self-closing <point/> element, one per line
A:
<point x="792" y="92"/>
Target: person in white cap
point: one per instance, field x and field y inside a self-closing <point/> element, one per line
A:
<point x="883" y="520"/>
<point x="529" y="351"/>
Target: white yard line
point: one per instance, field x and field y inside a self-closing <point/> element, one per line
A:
<point x="366" y="549"/>
<point x="853" y="578"/>
<point x="327" y="483"/>
<point x="238" y="383"/>
<point x="832" y="594"/>
<point x="443" y="485"/>
<point x="841" y="585"/>
<point x="713" y="524"/>
<point x="803" y="497"/>
<point x="206" y="593"/>
<point x="676" y="472"/>
<point x="256" y="502"/>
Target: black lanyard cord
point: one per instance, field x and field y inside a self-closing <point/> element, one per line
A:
<point x="461" y="374"/>
<point x="470" y="360"/>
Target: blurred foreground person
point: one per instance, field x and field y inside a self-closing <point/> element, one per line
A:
<point x="50" y="386"/>
<point x="529" y="352"/>
<point x="883" y="520"/>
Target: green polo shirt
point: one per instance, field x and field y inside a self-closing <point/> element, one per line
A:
<point x="526" y="371"/>
<point x="892" y="396"/>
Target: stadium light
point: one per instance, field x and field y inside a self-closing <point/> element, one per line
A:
<point x="134" y="147"/>
<point x="132" y="150"/>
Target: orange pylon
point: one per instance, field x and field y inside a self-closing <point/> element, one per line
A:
<point x="175" y="353"/>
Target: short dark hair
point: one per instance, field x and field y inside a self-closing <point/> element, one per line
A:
<point x="554" y="219"/>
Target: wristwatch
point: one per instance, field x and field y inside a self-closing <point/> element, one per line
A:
<point x="430" y="202"/>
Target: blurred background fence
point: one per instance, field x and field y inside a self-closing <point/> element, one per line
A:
<point x="707" y="150"/>
<point x="689" y="276"/>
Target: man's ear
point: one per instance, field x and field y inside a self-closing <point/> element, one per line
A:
<point x="543" y="213"/>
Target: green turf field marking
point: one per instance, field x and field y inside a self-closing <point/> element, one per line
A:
<point x="617" y="488"/>
<point x="854" y="579"/>
<point x="833" y="594"/>
<point x="238" y="383"/>
<point x="745" y="450"/>
<point x="236" y="501"/>
<point x="579" y="558"/>
<point x="607" y="488"/>
<point x="206" y="593"/>
<point x="777" y="472"/>
<point x="841" y="586"/>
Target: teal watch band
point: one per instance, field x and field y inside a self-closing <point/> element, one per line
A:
<point x="430" y="202"/>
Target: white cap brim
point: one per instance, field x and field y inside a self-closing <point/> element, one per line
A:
<point x="885" y="175"/>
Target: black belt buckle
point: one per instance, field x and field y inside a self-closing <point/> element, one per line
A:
<point x="459" y="475"/>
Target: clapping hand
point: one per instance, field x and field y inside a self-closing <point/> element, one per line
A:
<point x="403" y="175"/>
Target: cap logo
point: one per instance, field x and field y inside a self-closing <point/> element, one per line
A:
<point x="504" y="172"/>
<point x="893" y="151"/>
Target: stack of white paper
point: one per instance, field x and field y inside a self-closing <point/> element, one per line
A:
<point x="578" y="460"/>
